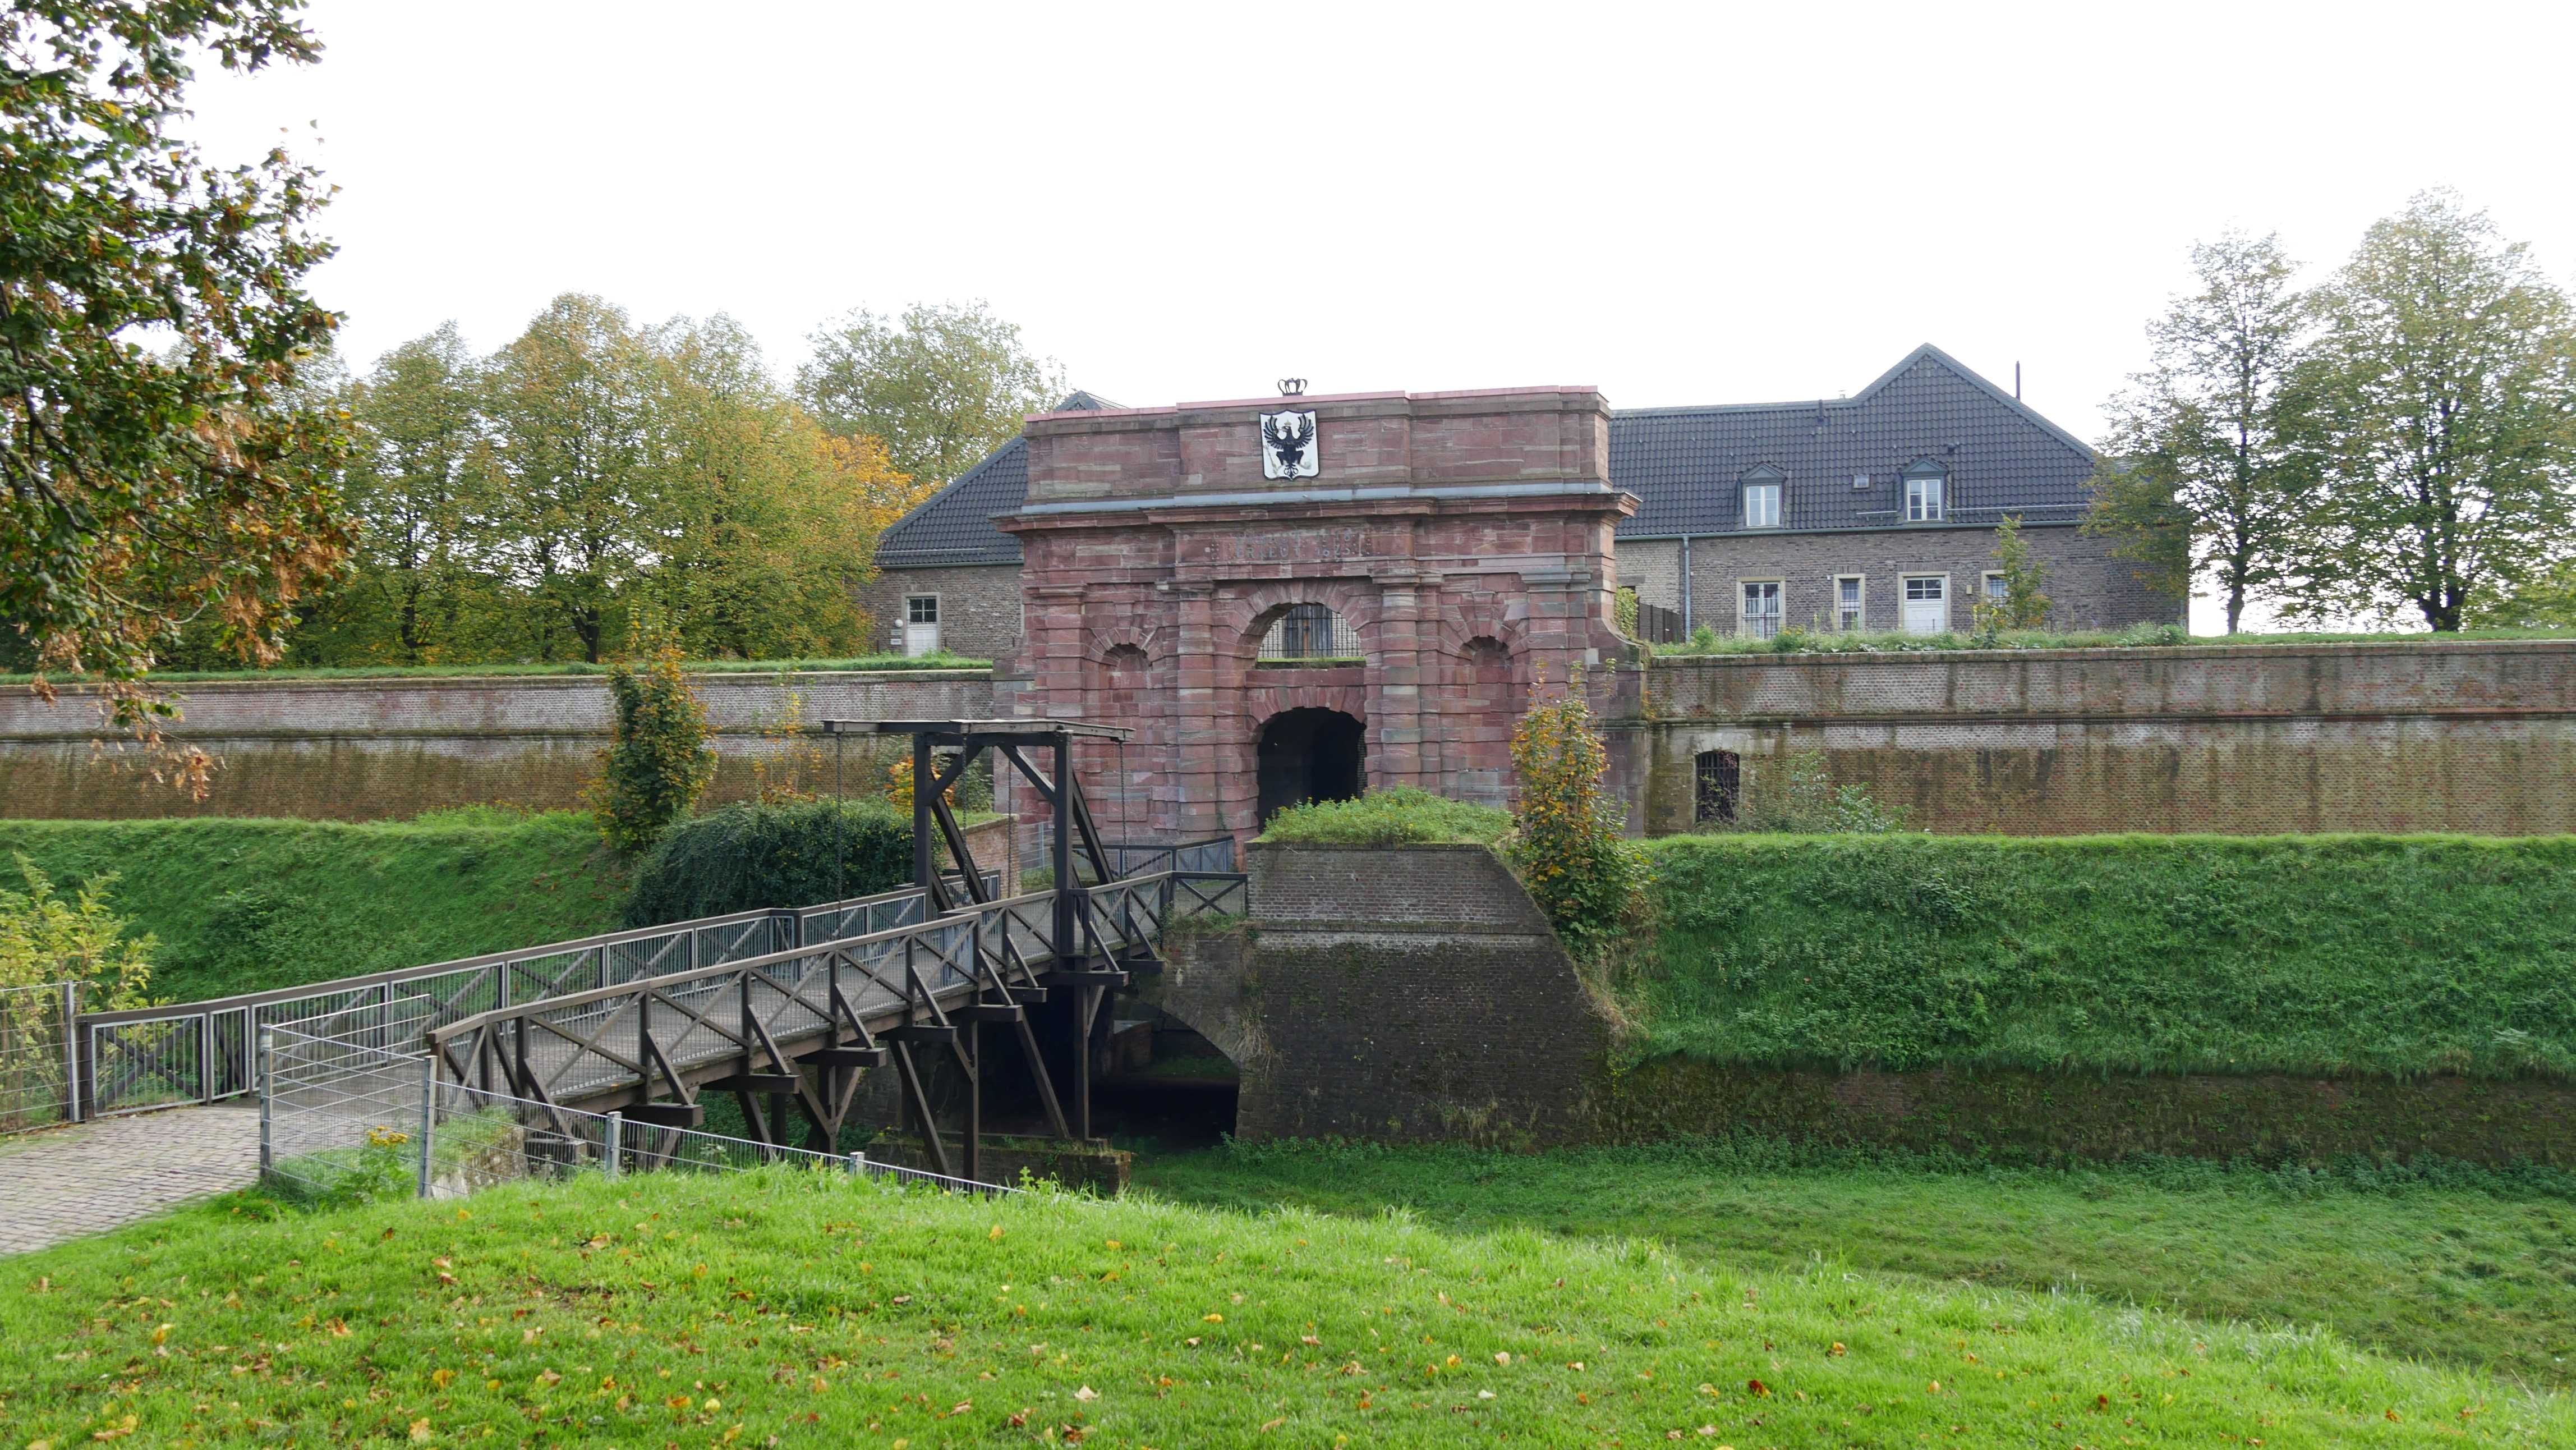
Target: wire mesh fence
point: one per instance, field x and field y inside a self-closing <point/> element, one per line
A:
<point x="343" y="1120"/>
<point x="37" y="1070"/>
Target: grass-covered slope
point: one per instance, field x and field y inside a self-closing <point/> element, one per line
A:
<point x="2120" y="953"/>
<point x="2442" y="1262"/>
<point x="1400" y="815"/>
<point x="770" y="1310"/>
<point x="246" y="905"/>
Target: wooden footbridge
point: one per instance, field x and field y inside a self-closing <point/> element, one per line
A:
<point x="785" y="1009"/>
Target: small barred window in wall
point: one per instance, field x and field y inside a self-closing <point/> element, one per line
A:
<point x="920" y="624"/>
<point x="1721" y="778"/>
<point x="1997" y="591"/>
<point x="1762" y="608"/>
<point x="1847" y="603"/>
<point x="1309" y="632"/>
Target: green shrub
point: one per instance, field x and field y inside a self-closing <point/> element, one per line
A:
<point x="1395" y="816"/>
<point x="658" y="763"/>
<point x="1568" y="846"/>
<point x="45" y="939"/>
<point x="2327" y="954"/>
<point x="745" y="857"/>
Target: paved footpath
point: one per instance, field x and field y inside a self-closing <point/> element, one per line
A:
<point x="68" y="1182"/>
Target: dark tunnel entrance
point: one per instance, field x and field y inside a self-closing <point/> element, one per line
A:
<point x="1310" y="754"/>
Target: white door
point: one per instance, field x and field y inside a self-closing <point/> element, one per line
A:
<point x="1927" y="604"/>
<point x="920" y="639"/>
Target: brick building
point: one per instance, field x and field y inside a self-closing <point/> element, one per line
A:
<point x="1293" y="597"/>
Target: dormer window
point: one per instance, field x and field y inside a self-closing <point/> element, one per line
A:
<point x="1762" y="498"/>
<point x="1926" y="490"/>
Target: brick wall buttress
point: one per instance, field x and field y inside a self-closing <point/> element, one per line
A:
<point x="1398" y="994"/>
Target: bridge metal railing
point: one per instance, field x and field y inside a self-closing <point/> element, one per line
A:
<point x="342" y="1118"/>
<point x="202" y="1052"/>
<point x="647" y="1034"/>
<point x="1133" y="858"/>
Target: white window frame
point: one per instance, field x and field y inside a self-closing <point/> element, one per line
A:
<point x="1927" y="497"/>
<point x="1744" y="619"/>
<point x="1904" y="600"/>
<point x="926" y="636"/>
<point x="1777" y="493"/>
<point x="1860" y="606"/>
<point x="1986" y="583"/>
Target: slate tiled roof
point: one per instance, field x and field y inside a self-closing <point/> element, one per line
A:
<point x="955" y="525"/>
<point x="1686" y="465"/>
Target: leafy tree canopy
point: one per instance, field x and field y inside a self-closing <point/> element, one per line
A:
<point x="2209" y="468"/>
<point x="942" y="385"/>
<point x="2446" y="384"/>
<point x="159" y="460"/>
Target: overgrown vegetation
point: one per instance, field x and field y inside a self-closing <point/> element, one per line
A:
<point x="247" y="905"/>
<point x="658" y="762"/>
<point x="1821" y="640"/>
<point x="1568" y="840"/>
<point x="2434" y="1261"/>
<point x="2339" y="954"/>
<point x="1801" y="799"/>
<point x="45" y="939"/>
<point x="1398" y="815"/>
<point x="2024" y="604"/>
<point x="673" y="1308"/>
<point x="745" y="857"/>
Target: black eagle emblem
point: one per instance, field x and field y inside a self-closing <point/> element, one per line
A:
<point x="1290" y="443"/>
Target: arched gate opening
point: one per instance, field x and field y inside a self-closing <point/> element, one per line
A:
<point x="1310" y="754"/>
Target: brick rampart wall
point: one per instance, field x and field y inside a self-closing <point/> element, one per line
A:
<point x="979" y="607"/>
<point x="2087" y="587"/>
<point x="2477" y="736"/>
<point x="371" y="749"/>
<point x="1394" y="993"/>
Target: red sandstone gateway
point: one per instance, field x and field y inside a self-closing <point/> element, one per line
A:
<point x="1371" y="612"/>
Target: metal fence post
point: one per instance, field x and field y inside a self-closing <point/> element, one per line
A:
<point x="615" y="1132"/>
<point x="71" y="1053"/>
<point x="428" y="1118"/>
<point x="859" y="1165"/>
<point x="267" y="1102"/>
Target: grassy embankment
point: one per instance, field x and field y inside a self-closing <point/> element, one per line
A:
<point x="2446" y="1263"/>
<point x="246" y="905"/>
<point x="2317" y="954"/>
<point x="693" y="1311"/>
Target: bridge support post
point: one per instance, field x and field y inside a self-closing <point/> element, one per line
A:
<point x="267" y="1103"/>
<point x="428" y="1120"/>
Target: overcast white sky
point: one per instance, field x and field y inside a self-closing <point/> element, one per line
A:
<point x="1679" y="204"/>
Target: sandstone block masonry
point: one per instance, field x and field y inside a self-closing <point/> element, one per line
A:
<point x="1400" y="994"/>
<point x="2478" y="736"/>
<point x="372" y="749"/>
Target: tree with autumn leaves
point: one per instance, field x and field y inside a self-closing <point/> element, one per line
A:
<point x="1569" y="842"/>
<point x="537" y="503"/>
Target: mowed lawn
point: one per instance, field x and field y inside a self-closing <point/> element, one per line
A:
<point x="797" y="1310"/>
<point x="2457" y="1266"/>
